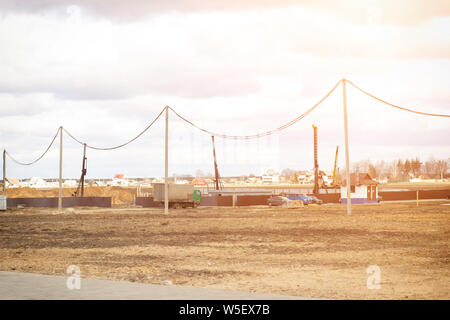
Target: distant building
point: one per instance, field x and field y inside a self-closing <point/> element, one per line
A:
<point x="70" y="183"/>
<point x="199" y="181"/>
<point x="36" y="182"/>
<point x="271" y="179"/>
<point x="363" y="189"/>
<point x="119" y="180"/>
<point x="13" y="183"/>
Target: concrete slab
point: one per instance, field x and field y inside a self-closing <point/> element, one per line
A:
<point x="30" y="286"/>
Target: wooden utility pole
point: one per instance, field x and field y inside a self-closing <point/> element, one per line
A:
<point x="166" y="165"/>
<point x="60" y="168"/>
<point x="347" y="159"/>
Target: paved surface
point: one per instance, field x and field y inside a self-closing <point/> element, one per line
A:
<point x="29" y="286"/>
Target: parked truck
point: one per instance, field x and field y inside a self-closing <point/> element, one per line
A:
<point x="180" y="195"/>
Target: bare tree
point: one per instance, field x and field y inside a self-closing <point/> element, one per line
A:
<point x="406" y="168"/>
<point x="442" y="166"/>
<point x="271" y="172"/>
<point x="199" y="173"/>
<point x="416" y="166"/>
<point x="430" y="167"/>
<point x="372" y="171"/>
<point x="393" y="169"/>
<point x="361" y="166"/>
<point x="287" y="172"/>
<point x="381" y="169"/>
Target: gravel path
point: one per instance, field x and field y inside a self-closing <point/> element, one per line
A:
<point x="29" y="286"/>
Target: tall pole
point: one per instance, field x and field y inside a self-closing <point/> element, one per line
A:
<point x="347" y="159"/>
<point x="4" y="172"/>
<point x="83" y="170"/>
<point x="316" y="164"/>
<point x="166" y="173"/>
<point x="60" y="168"/>
<point x="335" y="164"/>
<point x="216" y="170"/>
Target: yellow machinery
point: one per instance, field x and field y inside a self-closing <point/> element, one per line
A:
<point x="335" y="164"/>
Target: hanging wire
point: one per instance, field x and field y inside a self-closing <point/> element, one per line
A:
<point x="393" y="105"/>
<point x="121" y="145"/>
<point x="267" y="133"/>
<point x="33" y="162"/>
<point x="225" y="136"/>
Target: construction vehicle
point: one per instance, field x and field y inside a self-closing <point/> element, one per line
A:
<point x="80" y="189"/>
<point x="320" y="178"/>
<point x="217" y="181"/>
<point x="316" y="164"/>
<point x="180" y="195"/>
<point x="334" y="183"/>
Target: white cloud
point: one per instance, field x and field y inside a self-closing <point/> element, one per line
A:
<point x="234" y="72"/>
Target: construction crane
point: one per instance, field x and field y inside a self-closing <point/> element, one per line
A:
<point x="80" y="188"/>
<point x="335" y="164"/>
<point x="320" y="179"/>
<point x="217" y="182"/>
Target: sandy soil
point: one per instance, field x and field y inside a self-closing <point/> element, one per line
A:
<point x="315" y="251"/>
<point x="120" y="196"/>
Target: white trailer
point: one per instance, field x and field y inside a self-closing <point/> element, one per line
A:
<point x="180" y="195"/>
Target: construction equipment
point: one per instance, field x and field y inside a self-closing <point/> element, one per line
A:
<point x="316" y="164"/>
<point x="335" y="164"/>
<point x="180" y="195"/>
<point x="320" y="178"/>
<point x="80" y="189"/>
<point x="218" y="183"/>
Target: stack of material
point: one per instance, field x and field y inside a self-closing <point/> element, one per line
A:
<point x="292" y="204"/>
<point x="120" y="195"/>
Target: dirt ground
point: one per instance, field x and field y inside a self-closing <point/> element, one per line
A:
<point x="120" y="196"/>
<point x="315" y="251"/>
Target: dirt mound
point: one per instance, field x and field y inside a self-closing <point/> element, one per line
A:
<point x="119" y="195"/>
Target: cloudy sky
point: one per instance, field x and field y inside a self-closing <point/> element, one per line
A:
<point x="104" y="69"/>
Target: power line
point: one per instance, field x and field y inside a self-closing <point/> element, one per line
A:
<point x="259" y="135"/>
<point x="121" y="145"/>
<point x="33" y="162"/>
<point x="393" y="105"/>
<point x="225" y="136"/>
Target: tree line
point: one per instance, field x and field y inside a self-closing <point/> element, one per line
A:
<point x="404" y="169"/>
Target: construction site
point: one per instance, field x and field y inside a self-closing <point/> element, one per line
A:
<point x="212" y="157"/>
<point x="313" y="251"/>
<point x="319" y="240"/>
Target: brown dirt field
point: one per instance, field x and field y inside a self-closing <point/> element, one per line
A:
<point x="315" y="251"/>
<point x="120" y="196"/>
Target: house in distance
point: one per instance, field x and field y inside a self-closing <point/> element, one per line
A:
<point x="363" y="189"/>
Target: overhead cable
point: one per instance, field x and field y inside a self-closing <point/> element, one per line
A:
<point x="121" y="145"/>
<point x="225" y="136"/>
<point x="33" y="162"/>
<point x="259" y="135"/>
<point x="393" y="105"/>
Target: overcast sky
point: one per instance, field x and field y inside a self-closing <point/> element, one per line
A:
<point x="105" y="69"/>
